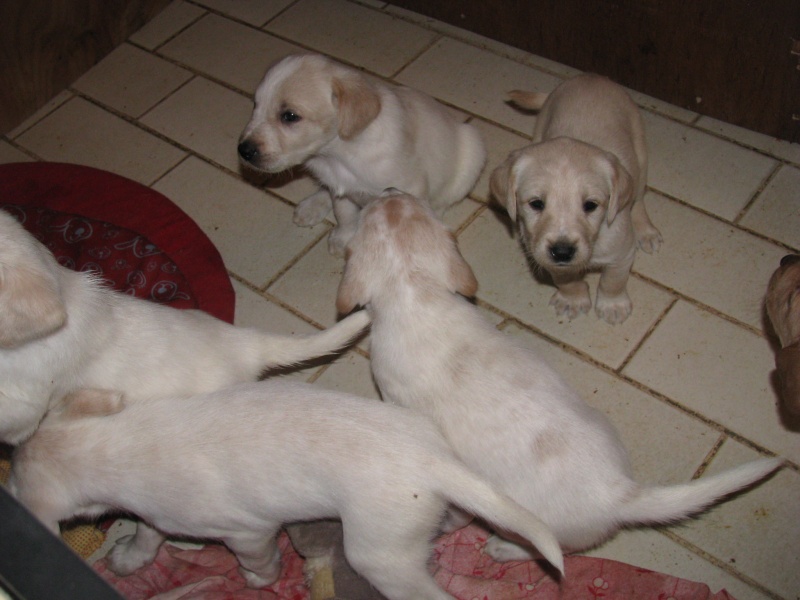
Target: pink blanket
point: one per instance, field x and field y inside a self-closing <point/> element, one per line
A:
<point x="458" y="564"/>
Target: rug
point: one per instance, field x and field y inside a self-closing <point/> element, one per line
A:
<point x="129" y="235"/>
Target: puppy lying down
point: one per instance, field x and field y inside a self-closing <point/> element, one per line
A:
<point x="61" y="330"/>
<point x="235" y="464"/>
<point x="505" y="412"/>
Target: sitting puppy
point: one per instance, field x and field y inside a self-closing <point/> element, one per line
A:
<point x="357" y="136"/>
<point x="61" y="330"/>
<point x="505" y="412"/>
<point x="235" y="464"/>
<point x="578" y="192"/>
<point x="783" y="308"/>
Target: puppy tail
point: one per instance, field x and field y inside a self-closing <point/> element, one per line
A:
<point x="279" y="350"/>
<point x="658" y="505"/>
<point x="465" y="489"/>
<point x="528" y="100"/>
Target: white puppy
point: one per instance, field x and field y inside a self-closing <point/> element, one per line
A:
<point x="578" y="192"/>
<point x="357" y="136"/>
<point x="236" y="464"/>
<point x="61" y="330"/>
<point x="504" y="411"/>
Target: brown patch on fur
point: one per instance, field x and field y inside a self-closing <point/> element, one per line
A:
<point x="91" y="403"/>
<point x="359" y="104"/>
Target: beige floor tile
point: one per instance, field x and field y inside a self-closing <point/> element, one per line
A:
<point x="663" y="108"/>
<point x="476" y="81"/>
<point x="649" y="428"/>
<point x="319" y="267"/>
<point x="356" y="34"/>
<point x="705" y="171"/>
<point x="9" y="154"/>
<point x="131" y="80"/>
<point x="499" y="144"/>
<point x="757" y="532"/>
<point x="705" y="259"/>
<point x="80" y="132"/>
<point x="718" y="369"/>
<point x="255" y="12"/>
<point x="652" y="550"/>
<point x="252" y="230"/>
<point x="776" y="211"/>
<point x="45" y="110"/>
<point x="168" y="22"/>
<point x="770" y="145"/>
<point x="228" y="51"/>
<point x="505" y="281"/>
<point x="206" y="118"/>
<point x="350" y="374"/>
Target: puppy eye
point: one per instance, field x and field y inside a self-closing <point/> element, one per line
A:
<point x="537" y="204"/>
<point x="590" y="206"/>
<point x="288" y="116"/>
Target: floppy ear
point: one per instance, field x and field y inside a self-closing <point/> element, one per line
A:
<point x="30" y="305"/>
<point x="787" y="362"/>
<point x="460" y="278"/>
<point x="358" y="103"/>
<point x="502" y="184"/>
<point x="621" y="185"/>
<point x="352" y="288"/>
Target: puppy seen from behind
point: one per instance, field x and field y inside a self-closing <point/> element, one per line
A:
<point x="577" y="192"/>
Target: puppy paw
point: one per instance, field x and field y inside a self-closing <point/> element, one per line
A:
<point x="503" y="551"/>
<point x="649" y="240"/>
<point x="614" y="309"/>
<point x="126" y="557"/>
<point x="338" y="238"/>
<point x="571" y="306"/>
<point x="312" y="210"/>
<point x="260" y="580"/>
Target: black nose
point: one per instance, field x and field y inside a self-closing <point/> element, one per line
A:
<point x="248" y="150"/>
<point x="790" y="259"/>
<point x="562" y="252"/>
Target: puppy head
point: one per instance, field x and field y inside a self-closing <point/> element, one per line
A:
<point x="401" y="244"/>
<point x="303" y="103"/>
<point x="31" y="305"/>
<point x="783" y="308"/>
<point x="562" y="192"/>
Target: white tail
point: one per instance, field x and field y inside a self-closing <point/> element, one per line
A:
<point x="674" y="503"/>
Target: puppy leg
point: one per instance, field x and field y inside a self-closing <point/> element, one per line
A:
<point x="135" y="551"/>
<point x="503" y="550"/>
<point x="455" y="519"/>
<point x="313" y="209"/>
<point x="613" y="303"/>
<point x="572" y="297"/>
<point x="346" y="212"/>
<point x="647" y="236"/>
<point x="258" y="556"/>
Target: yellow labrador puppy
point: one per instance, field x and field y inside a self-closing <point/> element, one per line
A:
<point x="577" y="192"/>
<point x="783" y="308"/>
<point x="505" y="412"/>
<point x="236" y="464"/>
<point x="61" y="330"/>
<point x="357" y="136"/>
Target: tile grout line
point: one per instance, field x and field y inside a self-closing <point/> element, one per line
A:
<point x="646" y="336"/>
<point x="760" y="190"/>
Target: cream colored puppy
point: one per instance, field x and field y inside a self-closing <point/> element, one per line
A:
<point x="506" y="414"/>
<point x="577" y="192"/>
<point x="61" y="330"/>
<point x="783" y="308"/>
<point x="357" y="136"/>
<point x="236" y="464"/>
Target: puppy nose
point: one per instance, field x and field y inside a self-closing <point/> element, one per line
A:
<point x="562" y="252"/>
<point x="248" y="150"/>
<point x="790" y="259"/>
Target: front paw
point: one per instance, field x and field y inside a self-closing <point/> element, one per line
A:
<point x="573" y="304"/>
<point x="126" y="557"/>
<point x="338" y="238"/>
<point x="649" y="240"/>
<point x="313" y="209"/>
<point x="613" y="309"/>
<point x="503" y="551"/>
<point x="260" y="580"/>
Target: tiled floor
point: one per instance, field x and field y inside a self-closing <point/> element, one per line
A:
<point x="687" y="378"/>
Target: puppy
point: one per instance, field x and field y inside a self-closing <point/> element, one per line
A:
<point x="61" y="330"/>
<point x="783" y="308"/>
<point x="506" y="414"/>
<point x="357" y="136"/>
<point x="235" y="464"/>
<point x="577" y="192"/>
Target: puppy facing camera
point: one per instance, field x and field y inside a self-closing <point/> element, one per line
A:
<point x="577" y="192"/>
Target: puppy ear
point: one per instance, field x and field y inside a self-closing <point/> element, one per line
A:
<point x="30" y="305"/>
<point x="787" y="362"/>
<point x="358" y="103"/>
<point x="91" y="403"/>
<point x="352" y="288"/>
<point x="621" y="185"/>
<point x="460" y="278"/>
<point x="502" y="184"/>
